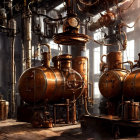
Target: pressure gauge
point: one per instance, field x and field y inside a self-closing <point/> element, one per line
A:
<point x="73" y="22"/>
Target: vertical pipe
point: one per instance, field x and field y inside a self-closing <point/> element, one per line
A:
<point x="12" y="34"/>
<point x="27" y="23"/>
<point x="12" y="77"/>
<point x="69" y="7"/>
<point x="23" y="59"/>
<point x="67" y="102"/>
<point x="28" y="41"/>
<point x="74" y="110"/>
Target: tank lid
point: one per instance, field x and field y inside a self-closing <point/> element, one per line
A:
<point x="65" y="57"/>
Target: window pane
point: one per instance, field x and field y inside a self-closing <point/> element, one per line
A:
<point x="87" y="53"/>
<point x="96" y="90"/>
<point x="130" y="29"/>
<point x="97" y="60"/>
<point x="129" y="52"/>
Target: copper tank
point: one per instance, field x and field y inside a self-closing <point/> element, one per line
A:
<point x="131" y="88"/>
<point x="131" y="110"/>
<point x="110" y="83"/>
<point x="114" y="60"/>
<point x="80" y="64"/>
<point x="4" y="109"/>
<point x="50" y="84"/>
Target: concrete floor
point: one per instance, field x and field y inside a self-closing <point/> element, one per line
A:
<point x="12" y="130"/>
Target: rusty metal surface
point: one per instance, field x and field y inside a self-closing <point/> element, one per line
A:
<point x="131" y="87"/>
<point x="110" y="83"/>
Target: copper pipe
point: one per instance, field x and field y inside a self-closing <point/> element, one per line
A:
<point x="67" y="102"/>
<point x="103" y="64"/>
<point x="74" y="110"/>
<point x="56" y="62"/>
<point x="124" y="45"/>
<point x="130" y="62"/>
<point x="91" y="85"/>
<point x="49" y="48"/>
<point x="102" y="58"/>
<point x="86" y="108"/>
<point x="46" y="55"/>
<point x="68" y="3"/>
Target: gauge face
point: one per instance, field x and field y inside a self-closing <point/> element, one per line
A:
<point x="73" y="22"/>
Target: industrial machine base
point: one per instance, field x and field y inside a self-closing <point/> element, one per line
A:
<point x="111" y="124"/>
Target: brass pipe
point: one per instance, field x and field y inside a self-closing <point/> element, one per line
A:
<point x="68" y="3"/>
<point x="91" y="85"/>
<point x="103" y="64"/>
<point x="46" y="55"/>
<point x="130" y="62"/>
<point x="85" y="105"/>
<point x="49" y="48"/>
<point x="103" y="57"/>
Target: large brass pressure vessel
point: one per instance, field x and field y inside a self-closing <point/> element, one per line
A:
<point x="80" y="64"/>
<point x="49" y="84"/>
<point x="131" y="88"/>
<point x="110" y="83"/>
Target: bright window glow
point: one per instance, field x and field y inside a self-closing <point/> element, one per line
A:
<point x="97" y="60"/>
<point x="104" y="49"/>
<point x="130" y="29"/>
<point x="54" y="45"/>
<point x="97" y="93"/>
<point x="97" y="35"/>
<point x="60" y="6"/>
<point x="104" y="52"/>
<point x="87" y="53"/>
<point x="129" y="52"/>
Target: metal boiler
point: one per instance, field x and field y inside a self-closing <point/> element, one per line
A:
<point x="110" y="83"/>
<point x="131" y="88"/>
<point x="48" y="84"/>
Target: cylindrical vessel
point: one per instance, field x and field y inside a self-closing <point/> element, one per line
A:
<point x="131" y="88"/>
<point x="50" y="84"/>
<point x="80" y="64"/>
<point x="114" y="60"/>
<point x="6" y="110"/>
<point x="65" y="62"/>
<point x="131" y="110"/>
<point x="2" y="106"/>
<point x="110" y="83"/>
